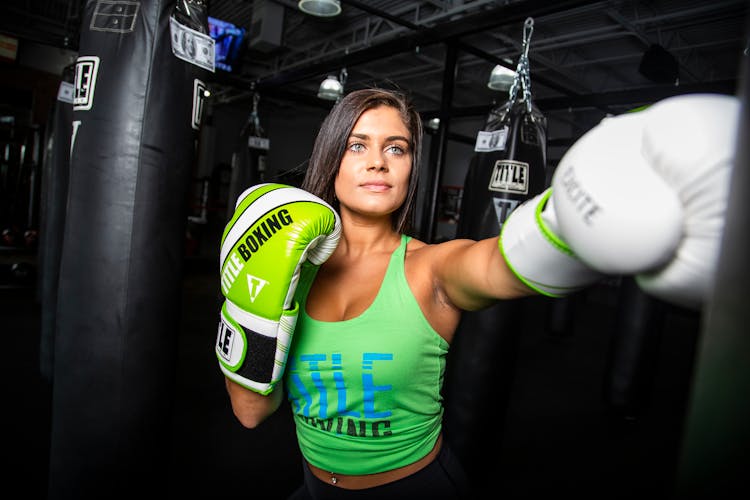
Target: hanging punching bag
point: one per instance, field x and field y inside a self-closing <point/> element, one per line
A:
<point x="55" y="171"/>
<point x="249" y="158"/>
<point x="509" y="166"/>
<point x="633" y="353"/>
<point x="136" y="113"/>
<point x="507" y="169"/>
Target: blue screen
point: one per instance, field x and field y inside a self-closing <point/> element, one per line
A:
<point x="229" y="39"/>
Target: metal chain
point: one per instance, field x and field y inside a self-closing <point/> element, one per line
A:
<point x="254" y="115"/>
<point x="523" y="77"/>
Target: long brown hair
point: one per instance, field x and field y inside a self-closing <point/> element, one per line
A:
<point x="332" y="138"/>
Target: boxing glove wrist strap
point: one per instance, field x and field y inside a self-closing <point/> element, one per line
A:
<point x="252" y="351"/>
<point x="537" y="255"/>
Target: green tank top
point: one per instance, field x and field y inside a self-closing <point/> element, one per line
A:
<point x="366" y="392"/>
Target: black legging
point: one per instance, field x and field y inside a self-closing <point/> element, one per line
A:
<point x="443" y="479"/>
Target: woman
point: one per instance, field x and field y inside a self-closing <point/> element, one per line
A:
<point x="366" y="367"/>
<point x="366" y="364"/>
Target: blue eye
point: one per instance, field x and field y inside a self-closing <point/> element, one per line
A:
<point x="396" y="150"/>
<point x="356" y="147"/>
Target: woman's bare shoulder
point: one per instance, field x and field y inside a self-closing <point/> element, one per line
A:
<point x="433" y="252"/>
<point x="443" y="246"/>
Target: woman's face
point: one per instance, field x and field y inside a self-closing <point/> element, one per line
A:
<point x="373" y="178"/>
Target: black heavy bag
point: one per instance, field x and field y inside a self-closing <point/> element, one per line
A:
<point x="714" y="457"/>
<point x="633" y="352"/>
<point x="509" y="167"/>
<point x="249" y="158"/>
<point x="55" y="171"/>
<point x="136" y="116"/>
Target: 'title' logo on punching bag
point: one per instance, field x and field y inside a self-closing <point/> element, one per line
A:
<point x="199" y="97"/>
<point x="509" y="176"/>
<point x="87" y="68"/>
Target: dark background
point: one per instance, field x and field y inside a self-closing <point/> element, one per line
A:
<point x="559" y="432"/>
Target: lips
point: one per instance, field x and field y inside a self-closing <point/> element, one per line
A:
<point x="377" y="187"/>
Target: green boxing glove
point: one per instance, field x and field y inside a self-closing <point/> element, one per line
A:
<point x="274" y="230"/>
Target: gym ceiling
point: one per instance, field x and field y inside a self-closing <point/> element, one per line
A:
<point x="586" y="58"/>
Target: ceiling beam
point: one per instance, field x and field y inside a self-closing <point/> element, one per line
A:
<point x="628" y="98"/>
<point x="637" y="96"/>
<point x="467" y="25"/>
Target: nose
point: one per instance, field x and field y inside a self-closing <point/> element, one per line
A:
<point x="377" y="163"/>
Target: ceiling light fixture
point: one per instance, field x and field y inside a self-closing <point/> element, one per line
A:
<point x="332" y="88"/>
<point x="320" y="8"/>
<point x="501" y="78"/>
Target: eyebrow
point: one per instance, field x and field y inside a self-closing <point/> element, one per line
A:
<point x="388" y="139"/>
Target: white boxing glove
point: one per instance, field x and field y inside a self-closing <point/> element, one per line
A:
<point x="692" y="143"/>
<point x="640" y="194"/>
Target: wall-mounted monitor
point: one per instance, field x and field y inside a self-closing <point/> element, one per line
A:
<point x="230" y="41"/>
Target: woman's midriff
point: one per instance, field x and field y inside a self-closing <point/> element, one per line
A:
<point x="358" y="482"/>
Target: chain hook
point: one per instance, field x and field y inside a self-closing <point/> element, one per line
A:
<point x="528" y="30"/>
<point x="522" y="77"/>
